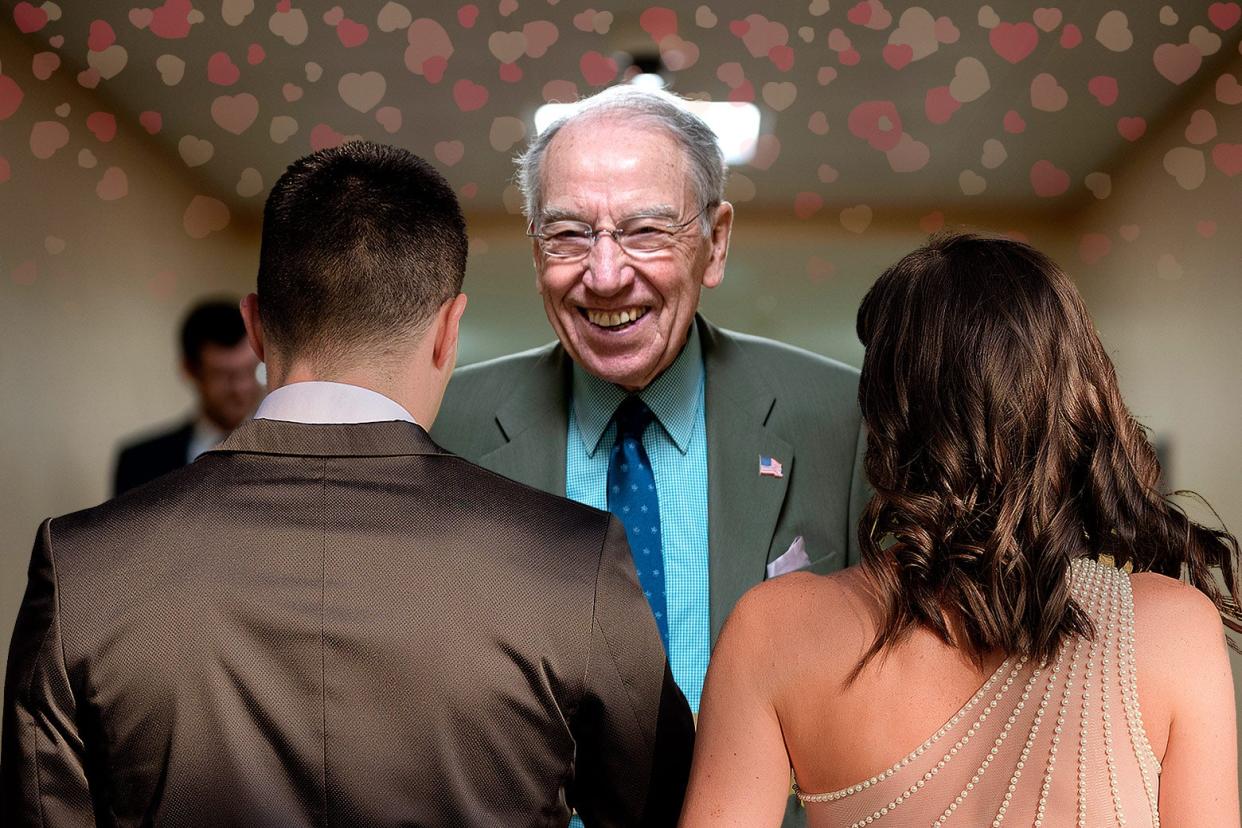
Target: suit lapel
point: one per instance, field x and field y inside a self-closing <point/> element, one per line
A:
<point x="534" y="422"/>
<point x="743" y="506"/>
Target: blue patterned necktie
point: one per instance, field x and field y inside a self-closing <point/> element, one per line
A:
<point x="632" y="497"/>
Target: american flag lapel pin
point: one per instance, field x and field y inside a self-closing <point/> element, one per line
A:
<point x="770" y="466"/>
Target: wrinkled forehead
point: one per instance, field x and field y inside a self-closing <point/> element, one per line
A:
<point x="621" y="161"/>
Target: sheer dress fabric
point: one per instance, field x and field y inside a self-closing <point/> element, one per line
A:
<point x="1056" y="744"/>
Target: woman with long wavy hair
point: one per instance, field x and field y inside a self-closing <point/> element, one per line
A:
<point x="993" y="661"/>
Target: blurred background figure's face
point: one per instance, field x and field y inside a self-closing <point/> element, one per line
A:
<point x="227" y="384"/>
<point x="602" y="173"/>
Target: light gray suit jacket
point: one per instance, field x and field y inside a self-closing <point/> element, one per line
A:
<point x="762" y="398"/>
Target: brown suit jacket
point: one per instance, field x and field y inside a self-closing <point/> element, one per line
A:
<point x="338" y="625"/>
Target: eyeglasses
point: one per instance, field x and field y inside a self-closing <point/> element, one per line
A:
<point x="636" y="235"/>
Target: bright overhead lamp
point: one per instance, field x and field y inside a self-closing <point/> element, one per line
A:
<point x="736" y="124"/>
<point x="649" y="80"/>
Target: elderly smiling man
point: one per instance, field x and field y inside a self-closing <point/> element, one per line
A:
<point x="729" y="458"/>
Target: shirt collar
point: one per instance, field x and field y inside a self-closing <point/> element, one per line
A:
<point x="329" y="402"/>
<point x="204" y="436"/>
<point x="207" y="432"/>
<point x="673" y="397"/>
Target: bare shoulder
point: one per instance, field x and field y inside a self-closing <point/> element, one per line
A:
<point x="791" y="597"/>
<point x="1177" y="634"/>
<point x="800" y="616"/>
<point x="1173" y="614"/>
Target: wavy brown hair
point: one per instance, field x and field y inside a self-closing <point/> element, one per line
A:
<point x="1000" y="450"/>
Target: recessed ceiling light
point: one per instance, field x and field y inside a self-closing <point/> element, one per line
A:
<point x="648" y="80"/>
<point x="736" y="124"/>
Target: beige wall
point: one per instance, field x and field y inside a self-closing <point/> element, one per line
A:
<point x="87" y="349"/>
<point x="1172" y="331"/>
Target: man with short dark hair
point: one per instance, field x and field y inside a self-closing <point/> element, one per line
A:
<point x="219" y="363"/>
<point x="329" y="620"/>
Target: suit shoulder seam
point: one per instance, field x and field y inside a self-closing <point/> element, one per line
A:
<point x="57" y="613"/>
<point x="52" y="629"/>
<point x="569" y="505"/>
<point x="599" y="568"/>
<point x="749" y="343"/>
<point x="612" y="656"/>
<point x="323" y="669"/>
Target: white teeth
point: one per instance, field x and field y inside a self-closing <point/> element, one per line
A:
<point x="613" y="319"/>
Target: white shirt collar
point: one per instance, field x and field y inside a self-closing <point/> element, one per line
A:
<point x="205" y="436"/>
<point x="330" y="402"/>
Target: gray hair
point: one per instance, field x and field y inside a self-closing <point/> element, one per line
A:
<point x="655" y="108"/>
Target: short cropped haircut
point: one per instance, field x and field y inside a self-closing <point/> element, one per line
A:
<point x="213" y="321"/>
<point x="362" y="244"/>
<point x="653" y="108"/>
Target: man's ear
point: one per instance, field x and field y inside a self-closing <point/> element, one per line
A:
<point x="448" y="322"/>
<point x="722" y="227"/>
<point x="254" y="325"/>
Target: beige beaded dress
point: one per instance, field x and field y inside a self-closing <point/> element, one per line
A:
<point x="1056" y="744"/>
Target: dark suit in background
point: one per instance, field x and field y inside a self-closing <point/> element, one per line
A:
<point x="338" y="625"/>
<point x="147" y="459"/>
<point x="219" y="366"/>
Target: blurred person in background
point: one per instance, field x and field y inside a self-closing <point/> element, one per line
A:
<point x="993" y="658"/>
<point x="219" y="363"/>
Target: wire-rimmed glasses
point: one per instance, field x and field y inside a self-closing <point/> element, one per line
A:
<point x="636" y="235"/>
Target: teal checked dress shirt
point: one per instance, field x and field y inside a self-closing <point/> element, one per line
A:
<point x="676" y="444"/>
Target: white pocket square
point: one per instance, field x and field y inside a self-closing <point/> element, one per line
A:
<point x="793" y="559"/>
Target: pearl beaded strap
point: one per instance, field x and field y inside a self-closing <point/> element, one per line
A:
<point x="1084" y="714"/>
<point x="953" y="751"/>
<point x="944" y="760"/>
<point x="914" y="754"/>
<point x="1130" y="700"/>
<point x="1106" y="687"/>
<point x="1030" y="737"/>
<point x="987" y="760"/>
<point x="1104" y="593"/>
<point x="1076" y="586"/>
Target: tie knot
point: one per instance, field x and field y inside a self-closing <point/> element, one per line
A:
<point x="632" y="418"/>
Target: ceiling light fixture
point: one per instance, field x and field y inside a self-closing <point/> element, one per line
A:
<point x="736" y="124"/>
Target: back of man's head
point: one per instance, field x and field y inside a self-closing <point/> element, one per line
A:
<point x="362" y="244"/>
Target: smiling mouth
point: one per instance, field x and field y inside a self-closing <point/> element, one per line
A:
<point x="614" y="320"/>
